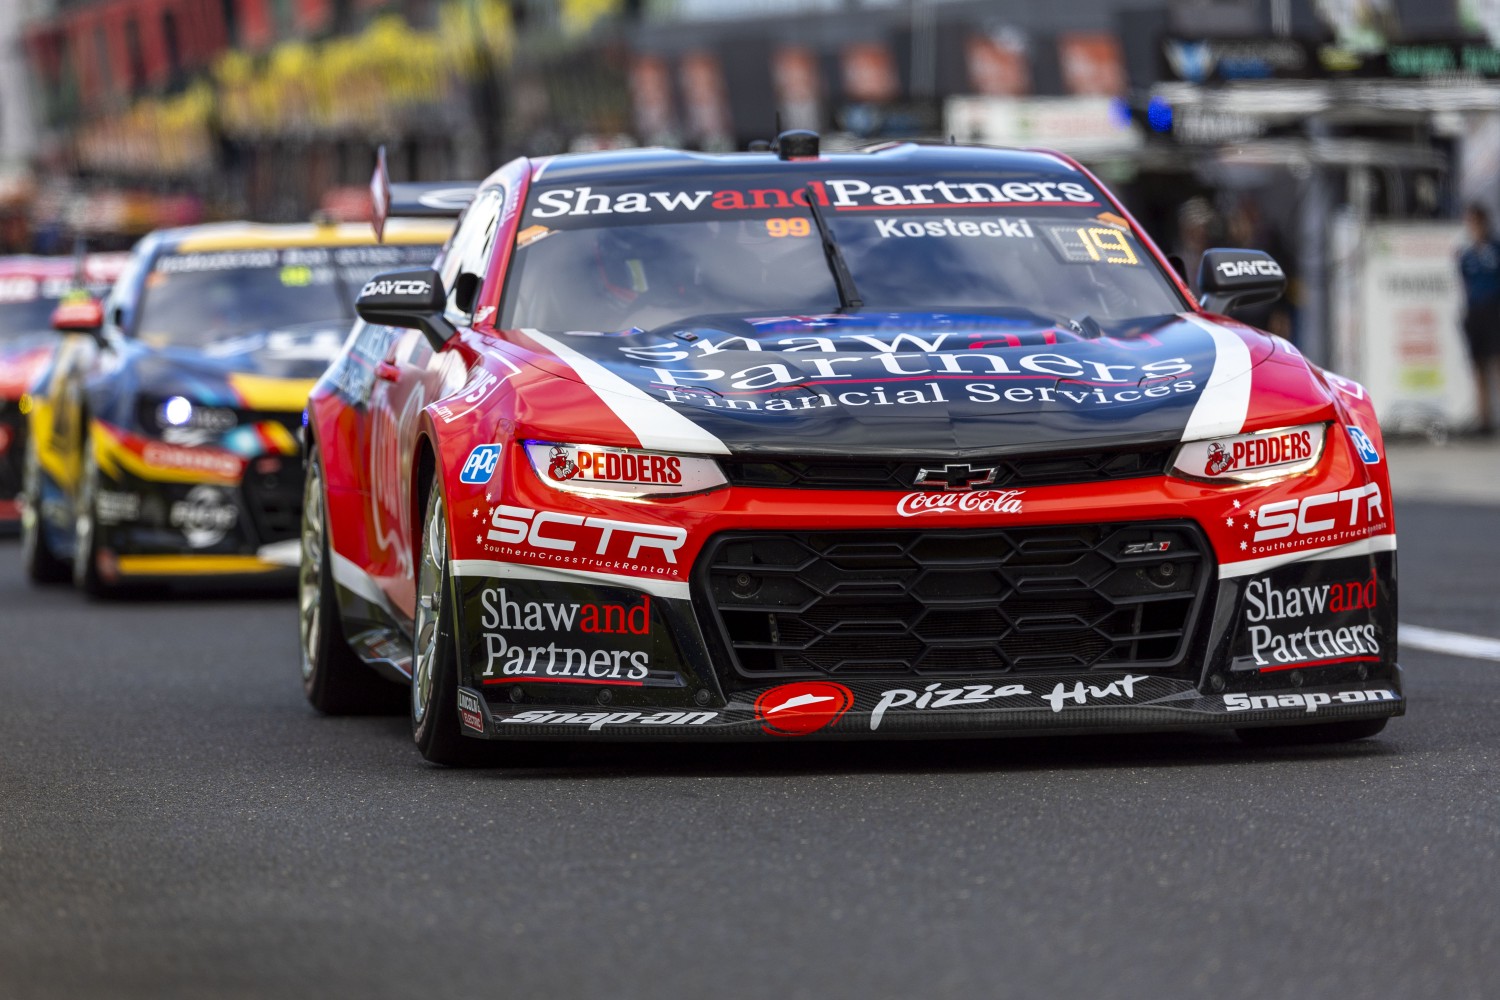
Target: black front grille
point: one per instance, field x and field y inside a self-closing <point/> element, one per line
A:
<point x="939" y="602"/>
<point x="273" y="496"/>
<point x="894" y="474"/>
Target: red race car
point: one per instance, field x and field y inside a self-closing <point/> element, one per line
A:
<point x="30" y="289"/>
<point x="914" y="441"/>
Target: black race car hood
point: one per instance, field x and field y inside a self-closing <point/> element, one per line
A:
<point x="229" y="372"/>
<point x="912" y="384"/>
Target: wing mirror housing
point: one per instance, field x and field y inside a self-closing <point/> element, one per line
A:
<point x="79" y="315"/>
<point x="1231" y="278"/>
<point x="412" y="298"/>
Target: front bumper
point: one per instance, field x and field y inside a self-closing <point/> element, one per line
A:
<point x="159" y="516"/>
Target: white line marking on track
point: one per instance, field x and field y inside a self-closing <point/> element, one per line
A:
<point x="1437" y="640"/>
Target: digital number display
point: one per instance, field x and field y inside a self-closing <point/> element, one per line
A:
<point x="779" y="228"/>
<point x="1092" y="244"/>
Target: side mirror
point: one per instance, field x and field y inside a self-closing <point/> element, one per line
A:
<point x="1230" y="278"/>
<point x="84" y="315"/>
<point x="412" y="298"/>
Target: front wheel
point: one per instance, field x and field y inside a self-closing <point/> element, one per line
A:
<point x="334" y="679"/>
<point x="434" y="676"/>
<point x="42" y="565"/>
<point x="1322" y="732"/>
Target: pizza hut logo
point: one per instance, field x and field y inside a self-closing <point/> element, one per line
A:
<point x="802" y="708"/>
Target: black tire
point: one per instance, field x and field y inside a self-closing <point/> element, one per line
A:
<point x="334" y="679"/>
<point x="1321" y="732"/>
<point x="434" y="675"/>
<point x="42" y="565"/>
<point x="86" y="527"/>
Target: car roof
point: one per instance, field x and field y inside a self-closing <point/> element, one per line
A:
<point x="264" y="236"/>
<point x="898" y="158"/>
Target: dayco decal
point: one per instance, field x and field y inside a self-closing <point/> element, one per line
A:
<point x="837" y="194"/>
<point x="977" y="501"/>
<point x="468" y="710"/>
<point x="562" y="663"/>
<point x="598" y="720"/>
<point x="1309" y="702"/>
<point x="1317" y="642"/>
<point x="1354" y="512"/>
<point x="608" y="543"/>
<point x="1249" y="268"/>
<point x="937" y="696"/>
<point x="404" y="287"/>
<point x="803" y="707"/>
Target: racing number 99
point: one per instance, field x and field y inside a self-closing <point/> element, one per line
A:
<point x="1106" y="244"/>
<point x="777" y="228"/>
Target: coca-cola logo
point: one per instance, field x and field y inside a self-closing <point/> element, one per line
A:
<point x="979" y="501"/>
<point x="803" y="707"/>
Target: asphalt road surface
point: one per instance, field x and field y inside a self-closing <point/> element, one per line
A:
<point x="176" y="822"/>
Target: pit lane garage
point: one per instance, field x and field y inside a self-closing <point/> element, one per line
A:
<point x="915" y="441"/>
<point x="164" y="433"/>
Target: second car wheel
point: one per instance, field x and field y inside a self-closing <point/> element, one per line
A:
<point x="41" y="563"/>
<point x="86" y="576"/>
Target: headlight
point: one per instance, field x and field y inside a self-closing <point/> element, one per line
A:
<point x="1249" y="458"/>
<point x="178" y="413"/>
<point x="583" y="468"/>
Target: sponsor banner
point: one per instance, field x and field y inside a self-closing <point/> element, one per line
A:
<point x="481" y="384"/>
<point x="621" y="471"/>
<point x="592" y="205"/>
<point x="595" y="543"/>
<point x="1318" y="519"/>
<point x="802" y="708"/>
<point x="1309" y="702"/>
<point x="522" y="631"/>
<point x="205" y="516"/>
<point x="1314" y="614"/>
<point x="1368" y="453"/>
<point x="1253" y="456"/>
<point x="479" y="467"/>
<point x="470" y="711"/>
<point x="595" y="721"/>
<point x="977" y="501"/>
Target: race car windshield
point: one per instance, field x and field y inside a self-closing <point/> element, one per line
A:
<point x="197" y="299"/>
<point x="608" y="259"/>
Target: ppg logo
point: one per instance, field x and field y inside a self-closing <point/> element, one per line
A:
<point x="480" y="465"/>
<point x="1363" y="445"/>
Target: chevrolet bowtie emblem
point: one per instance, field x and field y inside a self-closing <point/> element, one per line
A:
<point x="956" y="477"/>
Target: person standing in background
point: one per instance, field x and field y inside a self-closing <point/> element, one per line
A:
<point x="1479" y="265"/>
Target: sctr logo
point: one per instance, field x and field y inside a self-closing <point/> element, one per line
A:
<point x="480" y="465"/>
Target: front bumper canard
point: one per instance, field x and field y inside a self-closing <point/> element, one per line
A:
<point x="951" y="708"/>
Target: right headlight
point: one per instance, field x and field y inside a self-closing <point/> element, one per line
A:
<point x="178" y="413"/>
<point x="1250" y="458"/>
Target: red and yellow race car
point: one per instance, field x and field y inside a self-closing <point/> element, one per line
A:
<point x="30" y="289"/>
<point x="913" y="441"/>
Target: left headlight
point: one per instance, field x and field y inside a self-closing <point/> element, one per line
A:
<point x="1250" y="458"/>
<point x="178" y="413"/>
<point x="621" y="472"/>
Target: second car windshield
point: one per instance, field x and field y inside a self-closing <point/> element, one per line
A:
<point x="610" y="259"/>
<point x="196" y="299"/>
